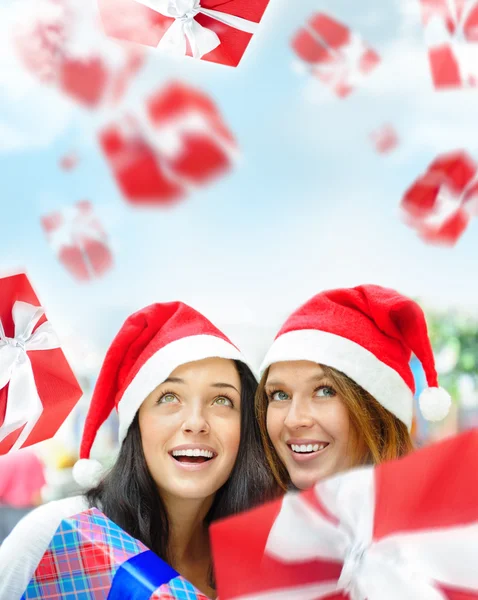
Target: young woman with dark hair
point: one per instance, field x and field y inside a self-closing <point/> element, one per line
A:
<point x="337" y="391"/>
<point x="190" y="447"/>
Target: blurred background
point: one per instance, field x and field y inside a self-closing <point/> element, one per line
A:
<point x="305" y="193"/>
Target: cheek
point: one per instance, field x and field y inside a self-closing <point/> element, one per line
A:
<point x="274" y="421"/>
<point x="339" y="421"/>
<point x="228" y="431"/>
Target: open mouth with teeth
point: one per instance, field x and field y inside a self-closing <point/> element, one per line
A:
<point x="195" y="456"/>
<point x="308" y="448"/>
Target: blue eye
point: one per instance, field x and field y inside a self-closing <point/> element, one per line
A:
<point x="168" y="398"/>
<point x="223" y="401"/>
<point x="279" y="396"/>
<point x="325" y="391"/>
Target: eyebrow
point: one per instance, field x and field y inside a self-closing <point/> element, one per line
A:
<point x="277" y="383"/>
<point x="220" y="384"/>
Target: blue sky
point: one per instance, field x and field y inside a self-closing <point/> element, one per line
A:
<point x="309" y="206"/>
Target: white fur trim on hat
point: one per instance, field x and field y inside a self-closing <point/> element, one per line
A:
<point x="88" y="473"/>
<point x="358" y="363"/>
<point x="162" y="364"/>
<point x="435" y="403"/>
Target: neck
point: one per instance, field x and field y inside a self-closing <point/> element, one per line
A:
<point x="188" y="536"/>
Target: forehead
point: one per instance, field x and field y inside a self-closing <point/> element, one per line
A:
<point x="294" y="370"/>
<point x="213" y="369"/>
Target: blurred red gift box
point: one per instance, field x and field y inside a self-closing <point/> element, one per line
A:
<point x="38" y="389"/>
<point x="441" y="202"/>
<point x="62" y="44"/>
<point x="451" y="28"/>
<point x="77" y="237"/>
<point x="334" y="54"/>
<point x="384" y="139"/>
<point x="180" y="143"/>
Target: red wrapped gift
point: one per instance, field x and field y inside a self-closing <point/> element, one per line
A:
<point x="179" y="144"/>
<point x="384" y="139"/>
<point x="404" y="530"/>
<point x="334" y="54"/>
<point x="440" y="203"/>
<point x="215" y="30"/>
<point x="451" y="32"/>
<point x="61" y="43"/>
<point x="69" y="161"/>
<point x="38" y="390"/>
<point x="79" y="240"/>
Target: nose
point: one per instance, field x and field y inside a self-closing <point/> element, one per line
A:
<point x="298" y="415"/>
<point x="195" y="421"/>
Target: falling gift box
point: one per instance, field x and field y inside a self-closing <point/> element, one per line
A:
<point x="215" y="30"/>
<point x="77" y="237"/>
<point x="38" y="389"/>
<point x="178" y="144"/>
<point x="451" y="32"/>
<point x="384" y="139"/>
<point x="440" y="203"/>
<point x="91" y="558"/>
<point x="334" y="54"/>
<point x="404" y="530"/>
<point x="61" y="43"/>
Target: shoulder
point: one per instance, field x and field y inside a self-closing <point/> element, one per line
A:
<point x="23" y="549"/>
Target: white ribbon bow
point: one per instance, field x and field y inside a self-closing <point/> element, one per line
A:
<point x="201" y="39"/>
<point x="24" y="406"/>
<point x="397" y="567"/>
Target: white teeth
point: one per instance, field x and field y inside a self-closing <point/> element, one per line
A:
<point x="193" y="452"/>
<point x="308" y="447"/>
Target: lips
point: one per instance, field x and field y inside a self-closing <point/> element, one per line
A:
<point x="193" y="454"/>
<point x="305" y="450"/>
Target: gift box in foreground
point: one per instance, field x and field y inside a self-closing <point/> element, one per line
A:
<point x="215" y="30"/>
<point x="404" y="530"/>
<point x="38" y="389"/>
<point x="91" y="558"/>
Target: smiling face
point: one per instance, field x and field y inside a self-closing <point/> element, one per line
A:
<point x="307" y="422"/>
<point x="190" y="428"/>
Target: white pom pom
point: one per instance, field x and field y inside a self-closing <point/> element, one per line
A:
<point x="88" y="473"/>
<point x="434" y="403"/>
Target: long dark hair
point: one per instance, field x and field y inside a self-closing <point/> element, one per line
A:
<point x="128" y="494"/>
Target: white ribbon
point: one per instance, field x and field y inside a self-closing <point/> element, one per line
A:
<point x="400" y="566"/>
<point x="24" y="406"/>
<point x="201" y="39"/>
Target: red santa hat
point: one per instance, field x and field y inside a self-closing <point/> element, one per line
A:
<point x="149" y="346"/>
<point x="368" y="333"/>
